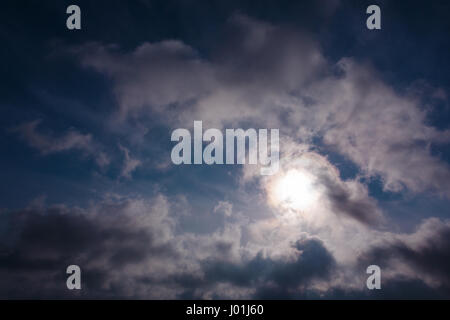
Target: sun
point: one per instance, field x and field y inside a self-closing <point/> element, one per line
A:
<point x="295" y="190"/>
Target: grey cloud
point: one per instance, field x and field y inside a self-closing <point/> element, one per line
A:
<point x="267" y="278"/>
<point x="423" y="255"/>
<point x="153" y="76"/>
<point x="42" y="242"/>
<point x="264" y="58"/>
<point x="358" y="206"/>
<point x="128" y="248"/>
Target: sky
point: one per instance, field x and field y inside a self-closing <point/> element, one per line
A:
<point x="86" y="118"/>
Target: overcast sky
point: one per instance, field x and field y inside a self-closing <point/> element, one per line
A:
<point x="86" y="118"/>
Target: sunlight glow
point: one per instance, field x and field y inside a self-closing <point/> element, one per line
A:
<point x="295" y="190"/>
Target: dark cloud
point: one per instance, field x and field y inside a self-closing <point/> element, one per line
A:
<point x="270" y="278"/>
<point x="291" y="280"/>
<point x="363" y="210"/>
<point x="43" y="242"/>
<point x="427" y="253"/>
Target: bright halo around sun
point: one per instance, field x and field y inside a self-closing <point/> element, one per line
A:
<point x="295" y="190"/>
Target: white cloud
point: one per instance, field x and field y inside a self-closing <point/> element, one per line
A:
<point x="224" y="207"/>
<point x="278" y="78"/>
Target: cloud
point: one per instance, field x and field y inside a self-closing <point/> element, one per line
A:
<point x="243" y="80"/>
<point x="349" y="198"/>
<point x="265" y="76"/>
<point x="72" y="140"/>
<point x="224" y="207"/>
<point x="153" y="76"/>
<point x="133" y="248"/>
<point x="130" y="164"/>
<point x="265" y="274"/>
<point x="130" y="248"/>
<point x="112" y="242"/>
<point x="422" y="255"/>
<point x="277" y="77"/>
<point x="384" y="133"/>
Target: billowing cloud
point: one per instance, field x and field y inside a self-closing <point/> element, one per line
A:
<point x="303" y="232"/>
<point x="129" y="248"/>
<point x="113" y="237"/>
<point x="276" y="278"/>
<point x="276" y="77"/>
<point x="383" y="132"/>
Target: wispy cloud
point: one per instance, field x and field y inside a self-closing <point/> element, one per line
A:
<point x="50" y="143"/>
<point x="130" y="164"/>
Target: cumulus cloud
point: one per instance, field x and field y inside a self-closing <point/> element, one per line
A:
<point x="242" y="81"/>
<point x="123" y="257"/>
<point x="270" y="77"/>
<point x="127" y="248"/>
<point x="112" y="242"/>
<point x="383" y="132"/>
<point x="131" y="248"/>
<point x="276" y="77"/>
<point x="275" y="278"/>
